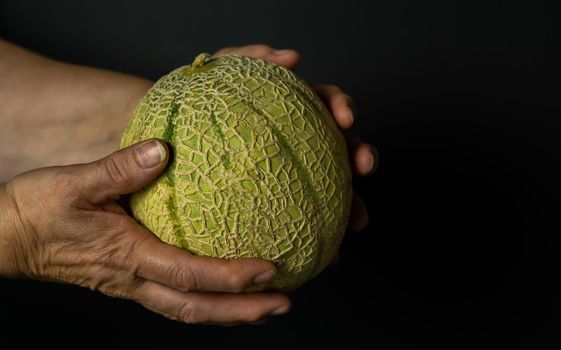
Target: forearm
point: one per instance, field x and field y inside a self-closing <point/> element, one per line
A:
<point x="54" y="113"/>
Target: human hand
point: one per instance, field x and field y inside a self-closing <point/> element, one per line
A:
<point x="363" y="156"/>
<point x="63" y="224"/>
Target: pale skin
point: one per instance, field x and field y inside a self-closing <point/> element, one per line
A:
<point x="60" y="174"/>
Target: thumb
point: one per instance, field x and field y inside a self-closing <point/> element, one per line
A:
<point x="124" y="171"/>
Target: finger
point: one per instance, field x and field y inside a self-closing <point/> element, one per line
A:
<point x="339" y="103"/>
<point x="123" y="171"/>
<point x="364" y="157"/>
<point x="285" y="58"/>
<point x="359" y="214"/>
<point x="178" y="269"/>
<point x="216" y="308"/>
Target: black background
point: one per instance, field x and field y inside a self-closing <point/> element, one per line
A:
<point x="461" y="98"/>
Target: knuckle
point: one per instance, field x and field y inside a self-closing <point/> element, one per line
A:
<point x="111" y="290"/>
<point x="116" y="170"/>
<point x="236" y="281"/>
<point x="259" y="48"/>
<point x="184" y="278"/>
<point x="189" y="313"/>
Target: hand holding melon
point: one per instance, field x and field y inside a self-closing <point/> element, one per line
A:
<point x="259" y="168"/>
<point x="63" y="223"/>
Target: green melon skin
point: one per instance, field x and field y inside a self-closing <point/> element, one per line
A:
<point x="259" y="167"/>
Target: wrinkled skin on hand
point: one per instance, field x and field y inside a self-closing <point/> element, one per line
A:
<point x="70" y="230"/>
<point x="67" y="227"/>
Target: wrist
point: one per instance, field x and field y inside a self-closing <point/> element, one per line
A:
<point x="10" y="229"/>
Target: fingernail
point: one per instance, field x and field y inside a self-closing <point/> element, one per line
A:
<point x="264" y="277"/>
<point x="351" y="116"/>
<point x="280" y="311"/>
<point x="149" y="154"/>
<point x="371" y="164"/>
<point x="281" y="52"/>
<point x="374" y="159"/>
